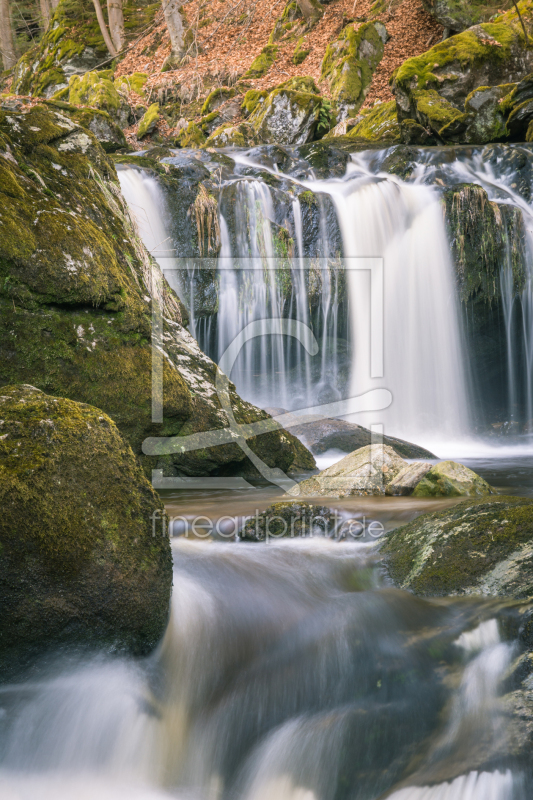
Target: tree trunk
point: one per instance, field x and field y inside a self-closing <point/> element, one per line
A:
<point x="54" y="3"/>
<point x="116" y="23"/>
<point x="103" y="27"/>
<point x="7" y="44"/>
<point x="311" y="9"/>
<point x="46" y="12"/>
<point x="174" y="21"/>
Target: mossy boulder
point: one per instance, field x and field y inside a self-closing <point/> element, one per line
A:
<point x="72" y="45"/>
<point x="252" y="99"/>
<point x="476" y="547"/>
<point x="457" y="15"/>
<point x="262" y="63"/>
<point x="147" y="124"/>
<point x="288" y="520"/>
<point x="349" y="65"/>
<point x="300" y="52"/>
<point x="190" y="137"/>
<point x="84" y="561"/>
<point x="290" y="114"/>
<point x="449" y="479"/>
<point x="98" y="122"/>
<point x="487" y="119"/>
<point x="379" y="124"/>
<point x="486" y="55"/>
<point x="227" y="135"/>
<point x="132" y="83"/>
<point x="77" y="288"/>
<point x="216" y="98"/>
<point x="96" y="89"/>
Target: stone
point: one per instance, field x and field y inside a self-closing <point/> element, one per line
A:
<point x="407" y="479"/>
<point x="337" y="434"/>
<point x="228" y="135"/>
<point x="287" y="520"/>
<point x="488" y="121"/>
<point x="97" y="90"/>
<point x="378" y="125"/>
<point x="290" y="114"/>
<point x="366" y="471"/>
<point x="457" y="15"/>
<point x="263" y="62"/>
<point x="147" y="124"/>
<point x="480" y="546"/>
<point x="349" y="65"/>
<point x="98" y="122"/>
<point x="85" y="559"/>
<point x="76" y="287"/>
<point x="449" y="479"/>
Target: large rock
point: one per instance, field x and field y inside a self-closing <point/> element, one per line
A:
<point x="97" y="90"/>
<point x="378" y="125"/>
<point x="449" y="479"/>
<point x="349" y="65"/>
<point x="337" y="434"/>
<point x="457" y="15"/>
<point x="95" y="120"/>
<point x="431" y="89"/>
<point x="476" y="547"/>
<point x="364" y="472"/>
<point x="289" y="520"/>
<point x="76" y="288"/>
<point x="289" y="114"/>
<point x="84" y="561"/>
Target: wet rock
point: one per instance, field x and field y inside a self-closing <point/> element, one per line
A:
<point x="378" y="125"/>
<point x="449" y="479"/>
<point x="349" y="64"/>
<point x="228" y="135"/>
<point x="337" y="434"/>
<point x="290" y="114"/>
<point x="292" y="519"/>
<point x="80" y="562"/>
<point x="407" y="479"/>
<point x="477" y="547"/>
<point x="488" y="122"/>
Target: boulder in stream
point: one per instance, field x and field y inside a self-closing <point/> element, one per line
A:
<point x="287" y="520"/>
<point x="289" y="114"/>
<point x="480" y="546"/>
<point x="85" y="559"/>
<point x="449" y="479"/>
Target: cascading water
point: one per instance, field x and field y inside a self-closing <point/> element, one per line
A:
<point x="288" y="672"/>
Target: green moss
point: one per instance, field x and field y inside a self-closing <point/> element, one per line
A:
<point x="252" y="98"/>
<point x="132" y="83"/>
<point x="228" y="135"/>
<point x="380" y="124"/>
<point x="436" y="113"/>
<point x="190" y="137"/>
<point x="350" y="62"/>
<point x="95" y="89"/>
<point x="454" y="551"/>
<point x="263" y="62"/>
<point x="148" y="121"/>
<point x="300" y="52"/>
<point x="217" y="97"/>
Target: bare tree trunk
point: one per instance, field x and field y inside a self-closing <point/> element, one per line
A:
<point x="103" y="27"/>
<point x="46" y="12"/>
<point x="116" y="23"/>
<point x="311" y="9"/>
<point x="7" y="43"/>
<point x="174" y="21"/>
<point x="54" y="3"/>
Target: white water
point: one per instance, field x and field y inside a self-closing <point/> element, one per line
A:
<point x="275" y="673"/>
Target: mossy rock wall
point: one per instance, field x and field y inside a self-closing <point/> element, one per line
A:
<point x="83" y="563"/>
<point x="76" y="288"/>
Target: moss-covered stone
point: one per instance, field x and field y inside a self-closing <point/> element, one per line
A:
<point x="76" y="295"/>
<point x="96" y="89"/>
<point x="227" y="135"/>
<point x="290" y="114"/>
<point x="449" y="479"/>
<point x="216" y="98"/>
<point x="457" y="15"/>
<point x="132" y="83"/>
<point x="485" y="108"/>
<point x="300" y="52"/>
<point x="72" y="45"/>
<point x="80" y="562"/>
<point x="148" y="122"/>
<point x="191" y="137"/>
<point x="350" y="62"/>
<point x="436" y="114"/>
<point x="288" y="520"/>
<point x="379" y="124"/>
<point x="98" y="122"/>
<point x="262" y="63"/>
<point x="477" y="547"/>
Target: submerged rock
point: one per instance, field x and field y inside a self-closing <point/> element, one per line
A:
<point x="84" y="560"/>
<point x="287" y="520"/>
<point x="476" y="547"/>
